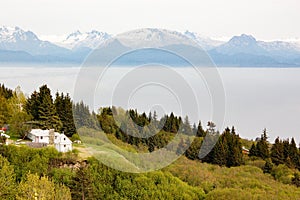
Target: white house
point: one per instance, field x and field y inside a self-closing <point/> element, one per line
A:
<point x="60" y="141"/>
<point x="39" y="136"/>
<point x="2" y="134"/>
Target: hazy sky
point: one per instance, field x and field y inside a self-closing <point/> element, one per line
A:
<point x="265" y="19"/>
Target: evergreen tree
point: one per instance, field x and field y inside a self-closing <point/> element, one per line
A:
<point x="253" y="150"/>
<point x="193" y="151"/>
<point x="5" y="92"/>
<point x="227" y="151"/>
<point x="268" y="166"/>
<point x="286" y="152"/>
<point x="32" y="105"/>
<point x="82" y="187"/>
<point x="83" y="117"/>
<point x="277" y="155"/>
<point x="220" y="152"/>
<point x="200" y="130"/>
<point x="262" y="146"/>
<point x="4" y="111"/>
<point x="293" y="153"/>
<point x="47" y="111"/>
<point x="234" y="154"/>
<point x="150" y="117"/>
<point x="63" y="106"/>
<point x="186" y="126"/>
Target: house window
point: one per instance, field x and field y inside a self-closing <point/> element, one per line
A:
<point x="64" y="138"/>
<point x="41" y="137"/>
<point x="64" y="145"/>
<point x="55" y="137"/>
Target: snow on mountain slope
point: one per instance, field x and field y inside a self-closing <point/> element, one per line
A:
<point x="205" y="42"/>
<point x="245" y="44"/>
<point x="15" y="34"/>
<point x="84" y="40"/>
<point x="150" y="37"/>
<point x="243" y="50"/>
<point x="281" y="48"/>
<point x="277" y="45"/>
<point x="16" y="39"/>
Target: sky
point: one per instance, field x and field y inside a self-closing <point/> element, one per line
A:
<point x="266" y="20"/>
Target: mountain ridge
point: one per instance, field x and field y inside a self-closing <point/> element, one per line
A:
<point x="240" y="51"/>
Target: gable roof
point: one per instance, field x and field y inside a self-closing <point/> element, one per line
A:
<point x="62" y="139"/>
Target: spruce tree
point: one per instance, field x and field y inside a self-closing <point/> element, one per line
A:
<point x="293" y="153"/>
<point x="63" y="106"/>
<point x="47" y="111"/>
<point x="193" y="151"/>
<point x="262" y="146"/>
<point x="234" y="154"/>
<point x="268" y="166"/>
<point x="200" y="130"/>
<point x="277" y="156"/>
<point x="253" y="150"/>
<point x="186" y="126"/>
<point x="32" y="105"/>
<point x="4" y="111"/>
<point x="220" y="152"/>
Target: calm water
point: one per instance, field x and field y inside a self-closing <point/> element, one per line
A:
<point x="255" y="98"/>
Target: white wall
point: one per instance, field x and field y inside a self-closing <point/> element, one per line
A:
<point x="63" y="147"/>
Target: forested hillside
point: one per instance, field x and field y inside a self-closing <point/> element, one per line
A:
<point x="269" y="171"/>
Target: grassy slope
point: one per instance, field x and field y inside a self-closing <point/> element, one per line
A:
<point x="244" y="182"/>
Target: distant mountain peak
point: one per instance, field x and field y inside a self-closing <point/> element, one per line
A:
<point x="79" y="39"/>
<point x="16" y="39"/>
<point x="242" y="50"/>
<point x="152" y="37"/>
<point x="243" y="40"/>
<point x="14" y="34"/>
<point x="74" y="34"/>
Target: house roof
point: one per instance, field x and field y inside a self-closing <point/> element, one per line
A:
<point x="62" y="139"/>
<point x="40" y="132"/>
<point x="3" y="134"/>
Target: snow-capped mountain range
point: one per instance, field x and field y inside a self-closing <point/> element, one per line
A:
<point x="17" y="45"/>
<point x="90" y="40"/>
<point x="16" y="39"/>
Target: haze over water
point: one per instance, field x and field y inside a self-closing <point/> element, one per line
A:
<point x="256" y="98"/>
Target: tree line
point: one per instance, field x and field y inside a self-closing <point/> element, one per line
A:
<point x="42" y="111"/>
<point x="226" y="152"/>
<point x="49" y="113"/>
<point x="281" y="152"/>
<point x="37" y="111"/>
